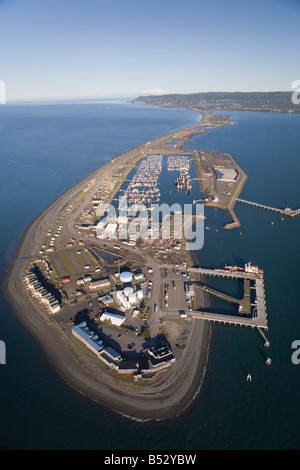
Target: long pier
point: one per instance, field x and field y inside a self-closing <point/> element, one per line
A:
<point x="289" y="212"/>
<point x="229" y="319"/>
<point x="227" y="273"/>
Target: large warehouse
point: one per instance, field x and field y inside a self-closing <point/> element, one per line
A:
<point x="226" y="174"/>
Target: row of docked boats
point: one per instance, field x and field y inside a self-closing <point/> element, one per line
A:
<point x="178" y="163"/>
<point x="143" y="188"/>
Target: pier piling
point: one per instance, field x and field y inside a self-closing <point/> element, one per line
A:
<point x="267" y="343"/>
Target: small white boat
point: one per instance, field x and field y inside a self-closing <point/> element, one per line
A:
<point x="249" y="378"/>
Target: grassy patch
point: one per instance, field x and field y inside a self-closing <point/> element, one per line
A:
<point x="66" y="262"/>
<point x="55" y="274"/>
<point x="81" y="260"/>
<point x="93" y="259"/>
<point x="127" y="380"/>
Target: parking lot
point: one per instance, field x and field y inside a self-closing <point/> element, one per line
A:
<point x="174" y="297"/>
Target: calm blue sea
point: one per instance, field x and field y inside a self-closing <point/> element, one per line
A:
<point x="45" y="149"/>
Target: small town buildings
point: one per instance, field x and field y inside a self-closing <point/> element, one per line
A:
<point x="40" y="291"/>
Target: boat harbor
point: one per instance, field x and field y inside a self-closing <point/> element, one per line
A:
<point x="143" y="188"/>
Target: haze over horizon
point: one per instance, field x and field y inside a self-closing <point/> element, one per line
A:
<point x="110" y="48"/>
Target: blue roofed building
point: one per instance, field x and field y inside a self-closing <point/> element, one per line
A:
<point x="95" y="344"/>
<point x="82" y="332"/>
<point x="107" y="354"/>
<point x="88" y="337"/>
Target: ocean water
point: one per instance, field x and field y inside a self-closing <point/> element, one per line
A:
<point x="45" y="149"/>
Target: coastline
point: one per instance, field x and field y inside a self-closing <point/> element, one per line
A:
<point x="166" y="399"/>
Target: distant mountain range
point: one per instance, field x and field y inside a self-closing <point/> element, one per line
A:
<point x="274" y="101"/>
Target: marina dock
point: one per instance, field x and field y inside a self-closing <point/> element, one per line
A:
<point x="143" y="188"/>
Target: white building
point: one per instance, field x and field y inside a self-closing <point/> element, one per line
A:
<point x="114" y="318"/>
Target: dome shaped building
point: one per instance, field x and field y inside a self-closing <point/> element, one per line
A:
<point x="126" y="277"/>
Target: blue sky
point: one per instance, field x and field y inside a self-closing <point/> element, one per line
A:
<point x="86" y="48"/>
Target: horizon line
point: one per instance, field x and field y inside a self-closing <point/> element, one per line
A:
<point x="125" y="96"/>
